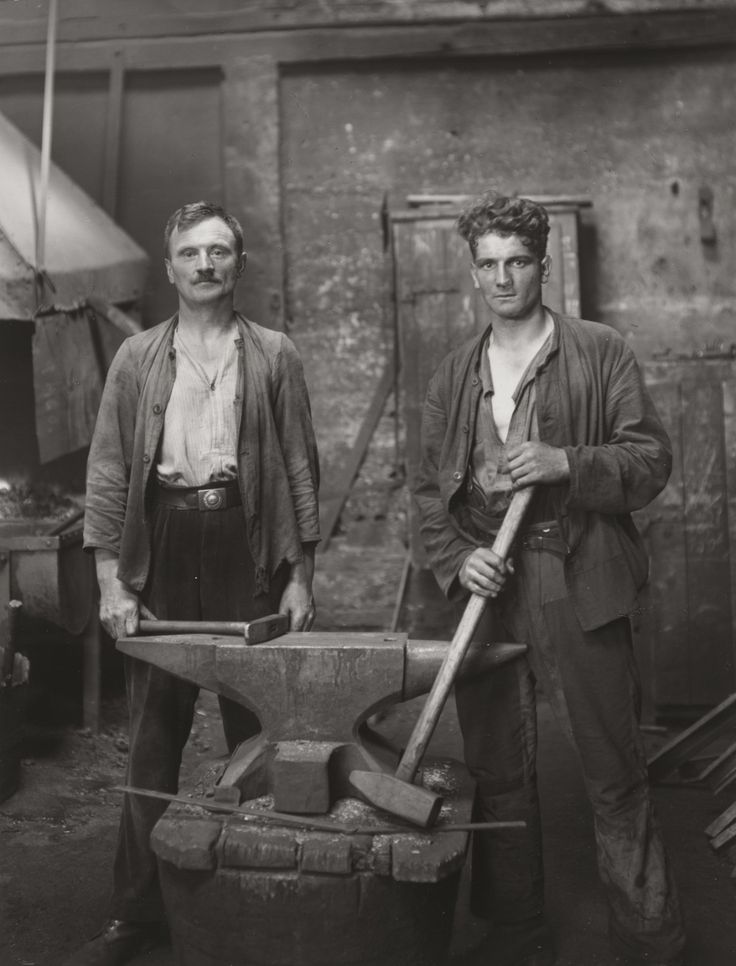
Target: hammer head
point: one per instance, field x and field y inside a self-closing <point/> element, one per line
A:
<point x="266" y="628"/>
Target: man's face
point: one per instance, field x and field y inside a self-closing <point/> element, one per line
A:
<point x="203" y="263"/>
<point x="509" y="275"/>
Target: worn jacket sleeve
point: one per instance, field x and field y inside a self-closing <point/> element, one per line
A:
<point x="446" y="546"/>
<point x="109" y="462"/>
<point x="633" y="464"/>
<point x="292" y="413"/>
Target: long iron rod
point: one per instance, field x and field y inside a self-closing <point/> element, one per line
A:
<point x="306" y="821"/>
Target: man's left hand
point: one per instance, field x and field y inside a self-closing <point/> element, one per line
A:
<point x="298" y="603"/>
<point x="534" y="462"/>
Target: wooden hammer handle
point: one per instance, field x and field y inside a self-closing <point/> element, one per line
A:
<point x="430" y="714"/>
<point x="236" y="628"/>
<point x="254" y="632"/>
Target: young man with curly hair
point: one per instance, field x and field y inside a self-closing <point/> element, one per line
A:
<point x="541" y="399"/>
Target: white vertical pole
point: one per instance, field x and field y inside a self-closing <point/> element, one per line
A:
<point x="48" y="121"/>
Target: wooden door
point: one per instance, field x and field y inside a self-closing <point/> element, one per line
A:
<point x="685" y="629"/>
<point x="438" y="308"/>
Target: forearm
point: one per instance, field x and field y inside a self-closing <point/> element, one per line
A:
<point x="297" y="600"/>
<point x="447" y="547"/>
<point x="302" y="572"/>
<point x="119" y="605"/>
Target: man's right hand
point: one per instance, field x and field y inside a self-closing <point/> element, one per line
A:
<point x="484" y="573"/>
<point x="119" y="606"/>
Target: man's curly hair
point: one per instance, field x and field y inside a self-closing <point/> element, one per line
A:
<point x="505" y="216"/>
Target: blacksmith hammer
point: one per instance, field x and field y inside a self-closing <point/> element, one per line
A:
<point x="396" y="793"/>
<point x="253" y="632"/>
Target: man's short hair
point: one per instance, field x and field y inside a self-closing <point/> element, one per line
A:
<point x="197" y="211"/>
<point x="505" y="216"/>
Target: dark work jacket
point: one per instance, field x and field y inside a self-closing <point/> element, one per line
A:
<point x="592" y="402"/>
<point x="278" y="471"/>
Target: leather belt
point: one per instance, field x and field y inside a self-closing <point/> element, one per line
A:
<point x="219" y="497"/>
<point x="543" y="537"/>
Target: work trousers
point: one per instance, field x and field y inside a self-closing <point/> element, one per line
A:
<point x="201" y="569"/>
<point x="592" y="683"/>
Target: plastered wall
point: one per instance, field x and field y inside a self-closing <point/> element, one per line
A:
<point x="639" y="134"/>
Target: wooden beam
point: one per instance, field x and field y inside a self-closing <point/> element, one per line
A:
<point x="442" y="43"/>
<point x="263" y="18"/>
<point x="721" y="823"/>
<point x="333" y="503"/>
<point x="720" y="768"/>
<point x="692" y="740"/>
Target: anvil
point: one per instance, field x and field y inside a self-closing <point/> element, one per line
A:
<point x="313" y="693"/>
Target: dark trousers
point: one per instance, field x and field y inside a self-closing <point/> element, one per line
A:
<point x="201" y="570"/>
<point x="592" y="683"/>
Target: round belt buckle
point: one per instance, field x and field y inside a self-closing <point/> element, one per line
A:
<point x="213" y="499"/>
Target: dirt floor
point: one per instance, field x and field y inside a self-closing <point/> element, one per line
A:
<point x="57" y="833"/>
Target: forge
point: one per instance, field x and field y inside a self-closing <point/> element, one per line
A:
<point x="61" y="322"/>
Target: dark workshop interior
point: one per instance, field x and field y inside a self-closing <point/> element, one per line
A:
<point x="346" y="138"/>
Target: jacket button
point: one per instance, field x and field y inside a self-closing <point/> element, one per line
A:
<point x="146" y="458"/>
<point x="474" y="381"/>
<point x="465" y="429"/>
<point x="457" y="476"/>
<point x="157" y="409"/>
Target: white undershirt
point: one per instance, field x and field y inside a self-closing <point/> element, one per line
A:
<point x="199" y="444"/>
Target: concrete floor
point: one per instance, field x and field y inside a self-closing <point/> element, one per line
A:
<point x="57" y="834"/>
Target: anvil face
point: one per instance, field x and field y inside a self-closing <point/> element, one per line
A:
<point x="302" y="686"/>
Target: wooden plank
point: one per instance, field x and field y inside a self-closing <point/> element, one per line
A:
<point x="720" y="768"/>
<point x="569" y="295"/>
<point x="724" y="837"/>
<point x="425" y="278"/>
<point x="725" y="782"/>
<point x="722" y="822"/>
<point x="467" y="35"/>
<point x="692" y="740"/>
<point x="331" y="504"/>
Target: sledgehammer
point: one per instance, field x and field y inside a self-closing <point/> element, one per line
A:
<point x="396" y="793"/>
<point x="253" y="632"/>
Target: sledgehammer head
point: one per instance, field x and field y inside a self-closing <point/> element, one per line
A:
<point x="401" y="799"/>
